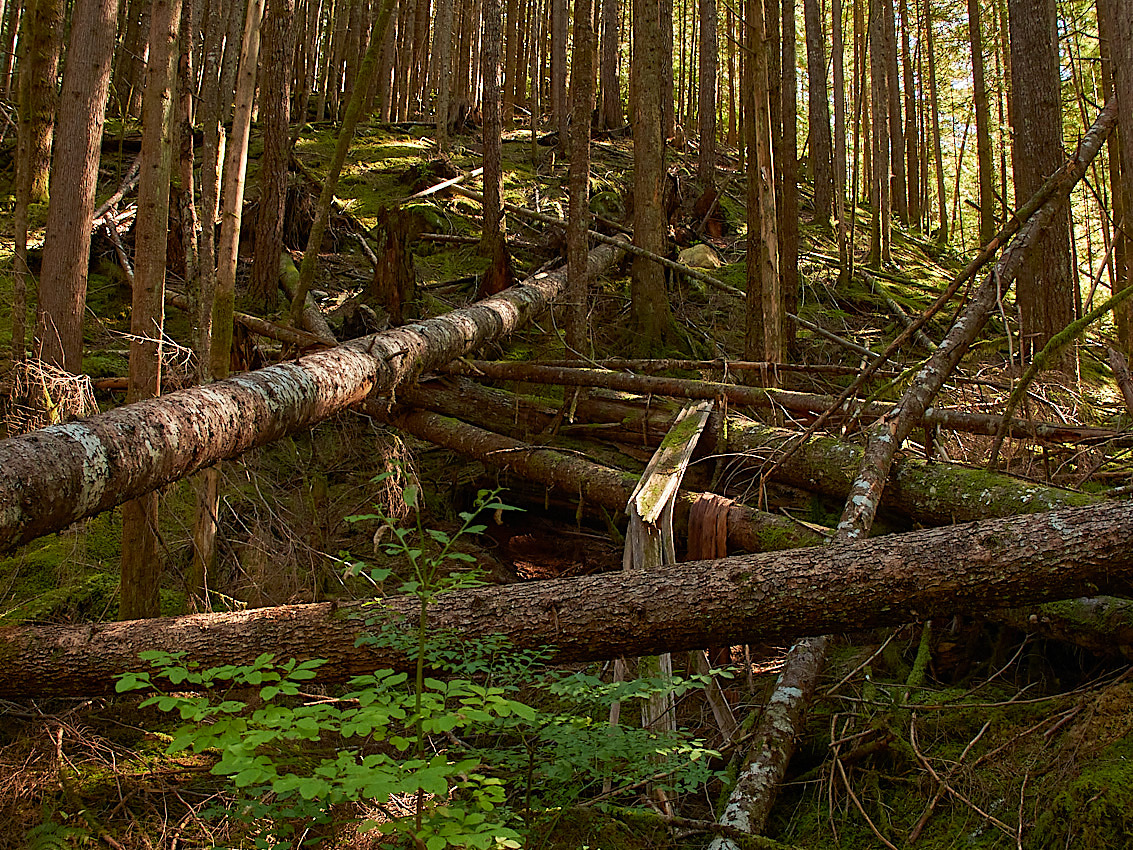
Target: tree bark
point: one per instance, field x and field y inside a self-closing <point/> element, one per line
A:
<point x="1118" y="20"/>
<point x="818" y="111"/>
<point x="651" y="316"/>
<point x="708" y="61"/>
<point x="498" y="276"/>
<point x="141" y="561"/>
<point x="74" y="175"/>
<point x="55" y="476"/>
<point x="1045" y="288"/>
<point x="763" y="332"/>
<point x="769" y="597"/>
<point x="278" y="35"/>
<point x="787" y="159"/>
<point x="610" y="115"/>
<point x="577" y="329"/>
<point x="983" y="126"/>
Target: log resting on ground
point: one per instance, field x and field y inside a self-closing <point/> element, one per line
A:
<point x="749" y="530"/>
<point x="767" y="597"/>
<point x="52" y="477"/>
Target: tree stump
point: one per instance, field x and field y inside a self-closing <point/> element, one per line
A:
<point x="395" y="279"/>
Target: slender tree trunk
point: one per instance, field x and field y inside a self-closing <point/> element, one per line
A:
<point x="38" y="101"/>
<point x="983" y="127"/>
<point x="442" y="51"/>
<point x="788" y="161"/>
<point x="342" y="148"/>
<point x="665" y="57"/>
<point x="709" y="55"/>
<point x="12" y="16"/>
<point x="651" y="316"/>
<point x="764" y="330"/>
<point x="498" y="277"/>
<point x="818" y="110"/>
<point x="610" y="115"/>
<point x="837" y="55"/>
<point x="141" y="555"/>
<point x="937" y="144"/>
<point x="897" y="183"/>
<point x="235" y="171"/>
<point x="912" y="144"/>
<point x="1118" y="15"/>
<point x="275" y="122"/>
<point x="582" y="96"/>
<point x="879" y="97"/>
<point x="559" y="107"/>
<point x="74" y="175"/>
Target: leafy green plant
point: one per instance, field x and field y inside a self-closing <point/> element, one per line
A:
<point x="455" y="745"/>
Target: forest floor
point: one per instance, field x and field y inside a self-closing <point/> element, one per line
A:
<point x="996" y="738"/>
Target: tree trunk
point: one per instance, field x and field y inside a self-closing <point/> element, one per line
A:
<point x="442" y="57"/>
<point x="577" y="330"/>
<point x="768" y="597"/>
<point x="74" y="175"/>
<point x="498" y="276"/>
<point x="937" y="144"/>
<point x="983" y="126"/>
<point x="610" y="116"/>
<point x="1119" y="28"/>
<point x="787" y="159"/>
<point x="1045" y="289"/>
<point x="748" y="530"/>
<point x="651" y="316"/>
<point x="38" y="101"/>
<point x="559" y="107"/>
<point x="141" y="560"/>
<point x="55" y="476"/>
<point x="342" y="148"/>
<point x="912" y="144"/>
<point x="879" y="98"/>
<point x="818" y="112"/>
<point x="275" y="121"/>
<point x="709" y="56"/>
<point x="763" y="339"/>
<point x="837" y="51"/>
<point x="898" y="183"/>
<point x="235" y="170"/>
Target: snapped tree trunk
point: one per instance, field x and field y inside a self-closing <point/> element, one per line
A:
<point x="769" y="597"/>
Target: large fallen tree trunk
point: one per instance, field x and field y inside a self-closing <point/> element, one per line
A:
<point x="749" y="530"/>
<point x="53" y="477"/>
<point x="928" y="492"/>
<point x="766" y="597"/>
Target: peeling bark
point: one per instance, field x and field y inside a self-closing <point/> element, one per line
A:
<point x="53" y="477"/>
<point x="768" y="597"/>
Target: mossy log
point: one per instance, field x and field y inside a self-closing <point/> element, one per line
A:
<point x="749" y="530"/>
<point x="773" y="596"/>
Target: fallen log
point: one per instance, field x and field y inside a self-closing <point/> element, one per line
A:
<point x="767" y="597"/>
<point x="748" y="530"/>
<point x="769" y="398"/>
<point x="52" y="477"/>
<point x="928" y="492"/>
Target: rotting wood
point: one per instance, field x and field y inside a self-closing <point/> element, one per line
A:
<point x="1121" y="374"/>
<point x="1101" y="624"/>
<point x="650" y="544"/>
<point x="55" y="476"/>
<point x="768" y="597"/>
<point x="311" y="316"/>
<point x="748" y="529"/>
